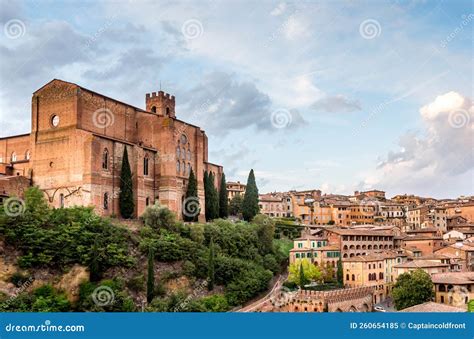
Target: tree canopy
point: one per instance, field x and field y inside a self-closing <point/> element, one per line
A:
<point x="412" y="288"/>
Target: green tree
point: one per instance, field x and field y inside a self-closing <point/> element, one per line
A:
<point x="126" y="204"/>
<point x="250" y="206"/>
<point x="340" y="272"/>
<point x="207" y="196"/>
<point x="265" y="233"/>
<point x="94" y="266"/>
<point x="310" y="272"/>
<point x="211" y="266"/>
<point x="331" y="222"/>
<point x="212" y="198"/>
<point x="412" y="288"/>
<point x="191" y="207"/>
<point x="235" y="206"/>
<point x="302" y="279"/>
<point x="328" y="273"/>
<point x="223" y="202"/>
<point x="150" y="284"/>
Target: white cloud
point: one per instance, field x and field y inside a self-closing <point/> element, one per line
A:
<point x="443" y="156"/>
<point x="279" y="9"/>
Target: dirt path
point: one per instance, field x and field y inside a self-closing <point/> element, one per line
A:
<point x="252" y="307"/>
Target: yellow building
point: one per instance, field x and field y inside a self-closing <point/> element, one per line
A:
<point x="235" y="188"/>
<point x="316" y="250"/>
<point x="366" y="270"/>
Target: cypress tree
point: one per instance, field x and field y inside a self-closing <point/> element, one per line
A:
<point x="150" y="284"/>
<point x="250" y="206"/>
<point x="211" y="264"/>
<point x="94" y="265"/>
<point x="302" y="277"/>
<point x="235" y="206"/>
<point x="212" y="199"/>
<point x="340" y="273"/>
<point x="223" y="202"/>
<point x="126" y="204"/>
<point x="207" y="199"/>
<point x="191" y="209"/>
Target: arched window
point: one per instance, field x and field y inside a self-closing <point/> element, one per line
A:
<point x="183" y="167"/>
<point x="178" y="152"/>
<point x="183" y="154"/>
<point x="61" y="200"/>
<point x="189" y="168"/>
<point x="145" y="165"/>
<point x="353" y="277"/>
<point x="189" y="154"/>
<point x="106" y="201"/>
<point x="147" y="201"/>
<point x="178" y="167"/>
<point x="347" y="277"/>
<point x="380" y="275"/>
<point x="13" y="158"/>
<point x="27" y="155"/>
<point x="370" y="277"/>
<point x="153" y="109"/>
<point x="105" y="159"/>
<point x="167" y="111"/>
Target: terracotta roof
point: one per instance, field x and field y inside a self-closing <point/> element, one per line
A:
<point x="421" y="237"/>
<point x="310" y="237"/>
<point x="424" y="230"/>
<point x="433" y="307"/>
<point x="453" y="278"/>
<point x="348" y="231"/>
<point x="421" y="264"/>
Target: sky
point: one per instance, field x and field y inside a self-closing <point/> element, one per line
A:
<point x="331" y="95"/>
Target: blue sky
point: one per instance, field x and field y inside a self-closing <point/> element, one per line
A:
<point x="335" y="95"/>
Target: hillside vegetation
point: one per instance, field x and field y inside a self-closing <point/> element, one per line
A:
<point x="194" y="267"/>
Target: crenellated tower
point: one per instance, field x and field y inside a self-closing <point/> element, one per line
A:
<point x="161" y="103"/>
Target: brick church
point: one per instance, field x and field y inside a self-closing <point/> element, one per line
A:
<point x="75" y="148"/>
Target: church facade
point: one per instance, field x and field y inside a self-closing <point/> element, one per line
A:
<point x="75" y="148"/>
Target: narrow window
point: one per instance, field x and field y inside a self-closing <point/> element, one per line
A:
<point x="106" y="201"/>
<point x="145" y="165"/>
<point x="105" y="159"/>
<point x="178" y="167"/>
<point x="153" y="109"/>
<point x="27" y="155"/>
<point x="147" y="201"/>
<point x="61" y="200"/>
<point x="13" y="158"/>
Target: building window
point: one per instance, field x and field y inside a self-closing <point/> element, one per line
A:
<point x="1" y="158"/>
<point x="27" y="155"/>
<point x="189" y="168"/>
<point x="189" y="154"/>
<point x="61" y="200"/>
<point x="13" y="158"/>
<point x="178" y="152"/>
<point x="105" y="159"/>
<point x="153" y="109"/>
<point x="167" y="111"/>
<point x="106" y="201"/>
<point x="178" y="167"/>
<point x="147" y="201"/>
<point x="183" y="169"/>
<point x="145" y="165"/>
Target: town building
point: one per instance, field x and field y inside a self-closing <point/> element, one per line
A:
<point x="455" y="288"/>
<point x="429" y="266"/>
<point x="235" y="188"/>
<point x="75" y="148"/>
<point x="354" y="242"/>
<point x="316" y="250"/>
